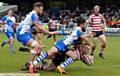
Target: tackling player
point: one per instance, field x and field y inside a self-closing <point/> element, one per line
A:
<point x="23" y="33"/>
<point x="63" y="44"/>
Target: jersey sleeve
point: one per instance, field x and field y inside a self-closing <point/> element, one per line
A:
<point x="4" y="19"/>
<point x="79" y="32"/>
<point x="34" y="17"/>
<point x="90" y="19"/>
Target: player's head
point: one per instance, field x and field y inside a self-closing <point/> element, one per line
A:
<point x="38" y="7"/>
<point x="53" y="17"/>
<point x="10" y="12"/>
<point x="96" y="9"/>
<point x="86" y="48"/>
<point x="80" y="22"/>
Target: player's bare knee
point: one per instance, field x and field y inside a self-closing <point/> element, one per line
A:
<point x="35" y="48"/>
<point x="35" y="45"/>
<point x="50" y="54"/>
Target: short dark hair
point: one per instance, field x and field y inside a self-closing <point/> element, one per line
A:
<point x="87" y="44"/>
<point x="80" y="21"/>
<point x="38" y="4"/>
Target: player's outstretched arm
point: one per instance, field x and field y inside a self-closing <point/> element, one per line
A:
<point x="2" y="23"/>
<point x="41" y="28"/>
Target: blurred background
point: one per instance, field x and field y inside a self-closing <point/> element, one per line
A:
<point x="65" y="11"/>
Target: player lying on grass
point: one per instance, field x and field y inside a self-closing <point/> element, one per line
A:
<point x="23" y="32"/>
<point x="80" y="52"/>
<point x="63" y="44"/>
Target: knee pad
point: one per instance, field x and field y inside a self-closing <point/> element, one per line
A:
<point x="103" y="46"/>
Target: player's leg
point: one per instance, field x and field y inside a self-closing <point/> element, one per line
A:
<point x="56" y="60"/>
<point x="72" y="57"/>
<point x="39" y="39"/>
<point x="8" y="34"/>
<point x="11" y="42"/>
<point x="44" y="55"/>
<point x="103" y="46"/>
<point x="95" y="40"/>
<point x="4" y="42"/>
<point x="35" y="50"/>
<point x="49" y="67"/>
<point x="27" y="40"/>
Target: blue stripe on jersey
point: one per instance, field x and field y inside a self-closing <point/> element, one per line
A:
<point x="35" y="17"/>
<point x="79" y="33"/>
<point x="4" y="18"/>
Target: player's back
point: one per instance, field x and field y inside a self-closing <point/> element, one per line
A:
<point x="73" y="36"/>
<point x="26" y="24"/>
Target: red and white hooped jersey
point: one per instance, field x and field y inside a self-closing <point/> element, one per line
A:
<point x="96" y="22"/>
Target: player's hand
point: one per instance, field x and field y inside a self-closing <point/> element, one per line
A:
<point x="104" y="29"/>
<point x="90" y="34"/>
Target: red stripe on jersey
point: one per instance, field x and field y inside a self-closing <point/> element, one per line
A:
<point x="96" y="21"/>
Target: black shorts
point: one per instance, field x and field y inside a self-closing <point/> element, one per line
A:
<point x="97" y="33"/>
<point x="52" y="29"/>
<point x="59" y="58"/>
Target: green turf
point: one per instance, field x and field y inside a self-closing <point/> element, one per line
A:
<point x="101" y="67"/>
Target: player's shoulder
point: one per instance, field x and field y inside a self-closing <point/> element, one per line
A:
<point x="13" y="17"/>
<point x="50" y="20"/>
<point x="100" y="15"/>
<point x="78" y="28"/>
<point x="92" y="15"/>
<point x="6" y="16"/>
<point x="33" y="13"/>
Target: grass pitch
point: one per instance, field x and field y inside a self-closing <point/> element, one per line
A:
<point x="101" y="67"/>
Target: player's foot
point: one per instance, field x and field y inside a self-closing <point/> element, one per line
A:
<point x="32" y="68"/>
<point x="12" y="52"/>
<point x="61" y="70"/>
<point x="23" y="49"/>
<point x="101" y="55"/>
<point x="25" y="67"/>
<point x="3" y="43"/>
